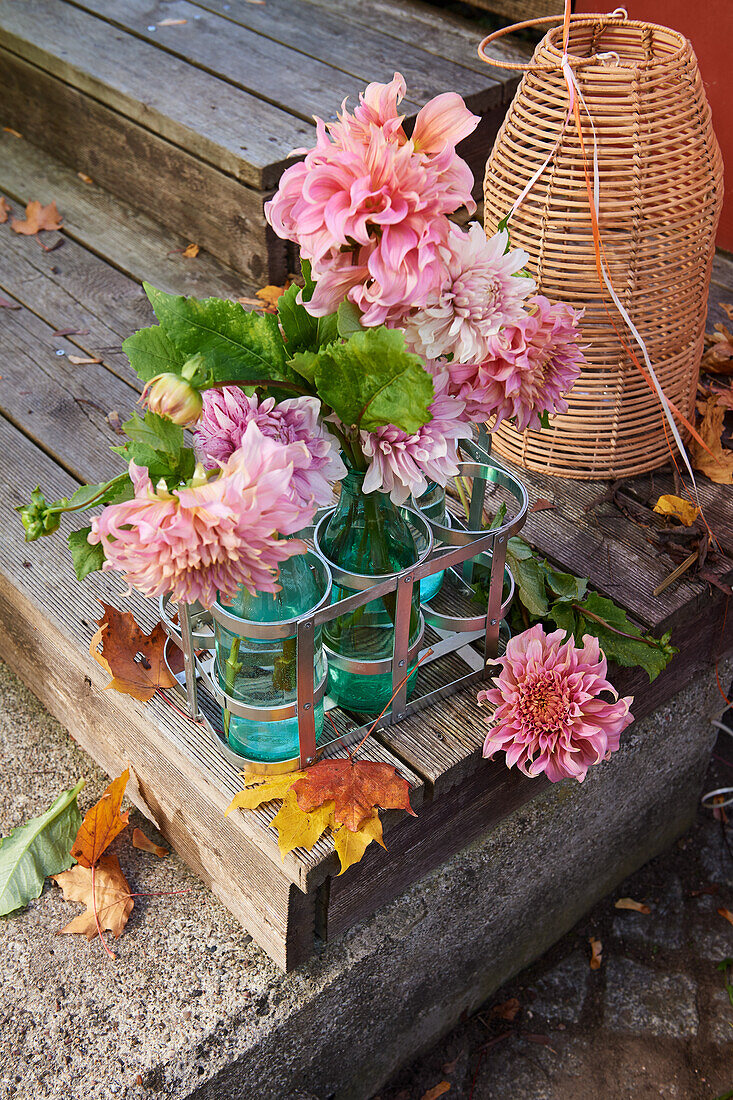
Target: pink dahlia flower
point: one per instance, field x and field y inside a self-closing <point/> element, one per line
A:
<point x="534" y="363"/>
<point x="228" y="412"/>
<point x="401" y="464"/>
<point x="481" y="293"/>
<point x="213" y="535"/>
<point x="368" y="205"/>
<point x="548" y="716"/>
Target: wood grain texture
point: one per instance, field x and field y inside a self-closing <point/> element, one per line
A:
<point x="182" y="192"/>
<point x="125" y="239"/>
<point x="243" y="135"/>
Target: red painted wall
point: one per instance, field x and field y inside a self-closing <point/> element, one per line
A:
<point x="709" y="26"/>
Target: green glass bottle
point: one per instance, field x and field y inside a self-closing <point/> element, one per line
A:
<point x="367" y="534"/>
<point x="262" y="672"/>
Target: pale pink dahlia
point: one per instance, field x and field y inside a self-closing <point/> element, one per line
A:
<point x="533" y="364"/>
<point x="224" y="420"/>
<point x="481" y="293"/>
<point x="548" y="716"/>
<point x="212" y="536"/>
<point x="368" y="205"/>
<point x="401" y="464"/>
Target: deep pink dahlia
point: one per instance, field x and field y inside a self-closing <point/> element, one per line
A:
<point x="481" y="293"/>
<point x="224" y="420"/>
<point x="533" y="364"/>
<point x="368" y="205"/>
<point x="548" y="716"/>
<point x="213" y="535"/>
<point x="401" y="464"/>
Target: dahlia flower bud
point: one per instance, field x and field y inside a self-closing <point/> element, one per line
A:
<point x="173" y="397"/>
<point x="38" y="517"/>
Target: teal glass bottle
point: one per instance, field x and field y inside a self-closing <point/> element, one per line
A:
<point x="432" y="505"/>
<point x="367" y="534"/>
<point x="263" y="672"/>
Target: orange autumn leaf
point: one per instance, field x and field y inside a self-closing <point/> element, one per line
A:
<point x="111" y="898"/>
<point x="356" y="787"/>
<point x="102" y="823"/>
<point x="135" y="660"/>
<point x="37" y="218"/>
<point x="683" y="510"/>
<point x="629" y="903"/>
<point x="191" y="251"/>
<point x="84" y="177"/>
<point x="717" y="463"/>
<point x="139" y="840"/>
<point x="270" y="295"/>
<point x="5" y="209"/>
<point x="596" y="953"/>
<point x="82" y="360"/>
<point x="726" y="913"/>
<point x="436" y="1091"/>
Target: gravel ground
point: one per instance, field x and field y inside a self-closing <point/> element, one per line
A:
<point x="653" y="1021"/>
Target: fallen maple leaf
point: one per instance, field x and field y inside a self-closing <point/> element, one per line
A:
<point x="719" y="465"/>
<point x="111" y="897"/>
<point x="356" y="787"/>
<point x="139" y="840"/>
<point x="436" y="1091"/>
<point x="629" y="903"/>
<point x="597" y="953"/>
<point x="297" y="829"/>
<point x="683" y="510"/>
<point x="102" y="823"/>
<point x="727" y="914"/>
<point x="351" y="844"/>
<point x="37" y="218"/>
<point x="254" y="794"/>
<point x="82" y="360"/>
<point x="542" y="505"/>
<point x="191" y="251"/>
<point x="270" y="295"/>
<point x="122" y="640"/>
<point x="718" y="357"/>
<point x="5" y="209"/>
<point x="507" y="1010"/>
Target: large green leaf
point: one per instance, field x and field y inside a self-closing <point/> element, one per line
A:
<point x="234" y="345"/>
<point x="86" y="557"/>
<point x="158" y="444"/>
<point x="151" y="352"/>
<point x="39" y="848"/>
<point x="372" y="380"/>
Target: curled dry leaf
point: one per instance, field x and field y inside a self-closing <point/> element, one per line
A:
<point x="139" y="840"/>
<point x="718" y="357"/>
<point x="726" y="913"/>
<point x="357" y="787"/>
<point x="542" y="505"/>
<point x="507" y="1010"/>
<point x="269" y="296"/>
<point x="719" y="465"/>
<point x="436" y="1091"/>
<point x="171" y="22"/>
<point x="84" y="177"/>
<point x="71" y="332"/>
<point x="5" y="304"/>
<point x="37" y="218"/>
<point x="5" y="209"/>
<point x="191" y="251"/>
<point x="12" y="132"/>
<point x="102" y="823"/>
<point x="629" y="903"/>
<point x="82" y="360"/>
<point x="123" y="641"/>
<point x="111" y="897"/>
<point x="596" y="953"/>
<point x="683" y="510"/>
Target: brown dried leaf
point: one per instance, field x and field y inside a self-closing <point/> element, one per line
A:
<point x="139" y="840"/>
<point x="71" y="332"/>
<point x="719" y="465"/>
<point x="84" y="177"/>
<point x="82" y="360"/>
<point x="542" y="505"/>
<point x="629" y="903"/>
<point x="507" y="1010"/>
<point x="122" y="640"/>
<point x="114" y="420"/>
<point x="5" y="209"/>
<point x="719" y="809"/>
<point x="171" y="22"/>
<point x="191" y="251"/>
<point x="37" y="218"/>
<point x="12" y="132"/>
<point x="111" y="895"/>
<point x="102" y="823"/>
<point x="710" y="888"/>
<point x="5" y="304"/>
<point x="727" y="914"/>
<point x="436" y="1091"/>
<point x="597" y="953"/>
<point x="357" y="788"/>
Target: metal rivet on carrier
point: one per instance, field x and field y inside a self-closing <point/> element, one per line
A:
<point x="400" y="664"/>
<point x="306" y="706"/>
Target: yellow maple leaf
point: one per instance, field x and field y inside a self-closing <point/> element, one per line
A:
<point x="273" y="786"/>
<point x="683" y="510"/>
<point x="717" y="463"/>
<point x="298" y="829"/>
<point x="351" y="846"/>
<point x="269" y="296"/>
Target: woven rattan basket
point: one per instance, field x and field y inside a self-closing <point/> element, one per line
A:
<point x="661" y="188"/>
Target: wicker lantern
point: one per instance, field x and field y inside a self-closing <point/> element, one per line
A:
<point x="661" y="190"/>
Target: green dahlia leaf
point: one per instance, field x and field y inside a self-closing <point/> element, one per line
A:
<point x="39" y="848"/>
<point x="151" y="352"/>
<point x="86" y="557"/>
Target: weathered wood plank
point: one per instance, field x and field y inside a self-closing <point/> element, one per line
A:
<point x="262" y="66"/>
<point x="363" y="51"/>
<point x="128" y="240"/>
<point x="517" y="9"/>
<point x="242" y="134"/>
<point x="187" y="195"/>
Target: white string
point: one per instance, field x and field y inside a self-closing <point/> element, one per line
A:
<point x="708" y="799"/>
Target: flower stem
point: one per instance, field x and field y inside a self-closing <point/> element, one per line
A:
<point x="231" y="667"/>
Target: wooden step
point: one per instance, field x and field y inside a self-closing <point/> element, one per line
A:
<point x="190" y="111"/>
